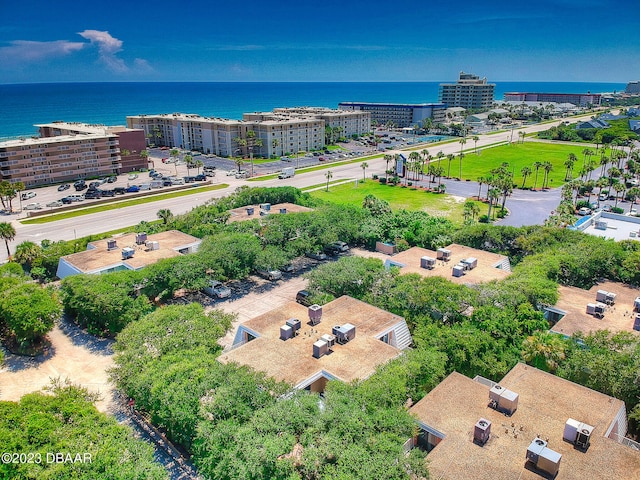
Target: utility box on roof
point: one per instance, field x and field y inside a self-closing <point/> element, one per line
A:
<point x="320" y="348"/>
<point x="427" y="262"/>
<point x="443" y="254"/>
<point x="458" y="271"/>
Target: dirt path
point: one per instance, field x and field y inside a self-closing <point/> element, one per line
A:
<point x="73" y="355"/>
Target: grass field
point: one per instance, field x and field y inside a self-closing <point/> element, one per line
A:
<point x="398" y="197"/>
<point x="120" y="204"/>
<point x="519" y="156"/>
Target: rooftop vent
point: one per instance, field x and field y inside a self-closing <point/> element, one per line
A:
<point x="427" y="262"/>
<point x="503" y="400"/>
<point x="543" y="458"/>
<point x="577" y="433"/>
<point x="443" y="254"/>
<point x="344" y="333"/>
<point x="111" y="245"/>
<point x="315" y="314"/>
<point x="127" y="252"/>
<point x="141" y="238"/>
<point x="482" y="431"/>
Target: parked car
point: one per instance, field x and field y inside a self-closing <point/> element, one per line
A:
<point x="28" y="195"/>
<point x="584" y="211"/>
<point x="112" y="179"/>
<point x="93" y="193"/>
<point x="242" y="174"/>
<point x="108" y="193"/>
<point x="120" y="190"/>
<point x="132" y="176"/>
<point x="32" y="206"/>
<point x="73" y="198"/>
<point x="316" y="255"/>
<point x="55" y="203"/>
<point x="79" y="185"/>
<point x="201" y="177"/>
<point x="231" y="173"/>
<point x="607" y="208"/>
<point x="64" y="187"/>
<point x="217" y="289"/>
<point x="189" y="179"/>
<point x="336" y="248"/>
<point x="303" y="298"/>
<point x="133" y="188"/>
<point x="272" y="275"/>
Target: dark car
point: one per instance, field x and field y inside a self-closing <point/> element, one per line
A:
<point x="93" y="193"/>
<point x="94" y="185"/>
<point x="189" y="179"/>
<point x="133" y="188"/>
<point x="64" y="187"/>
<point x="108" y="193"/>
<point x="166" y="183"/>
<point x="303" y="298"/>
<point x="112" y="179"/>
<point x="79" y="185"/>
<point x="120" y="190"/>
<point x="200" y="178"/>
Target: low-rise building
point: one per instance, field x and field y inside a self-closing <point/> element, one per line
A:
<point x="345" y="340"/>
<point x="571" y="313"/>
<point x="581" y="99"/>
<point x="127" y="252"/>
<point x="457" y="263"/>
<point x="530" y="425"/>
<point x="252" y="212"/>
<point x="400" y="114"/>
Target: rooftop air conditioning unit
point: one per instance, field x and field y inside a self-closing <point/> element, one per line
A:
<point x="152" y="245"/>
<point x="482" y="431"/>
<point x="127" y="252"/>
<point x="601" y="225"/>
<point x="543" y="457"/>
<point x="636" y="323"/>
<point x="636" y="304"/>
<point x="470" y="263"/>
<point x="265" y="206"/>
<point x="443" y="254"/>
<point x="344" y="333"/>
<point x="427" y="262"/>
<point x="294" y="323"/>
<point x="286" y="332"/>
<point x="596" y="309"/>
<point x="458" y="270"/>
<point x="250" y="211"/>
<point x="141" y="238"/>
<point x="283" y="210"/>
<point x="111" y="245"/>
<point x="503" y="400"/>
<point x="320" y="348"/>
<point x="606" y="297"/>
<point x="315" y="314"/>
<point x="577" y="433"/>
<point x="330" y="339"/>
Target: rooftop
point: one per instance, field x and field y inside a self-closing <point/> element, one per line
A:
<point x="617" y="318"/>
<point x="240" y="214"/>
<point x="545" y="403"/>
<point x="610" y="225"/>
<point x="58" y="139"/>
<point x="491" y="266"/>
<point x="98" y="257"/>
<point x="292" y="360"/>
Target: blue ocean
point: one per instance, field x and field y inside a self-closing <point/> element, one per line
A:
<point x="23" y="106"/>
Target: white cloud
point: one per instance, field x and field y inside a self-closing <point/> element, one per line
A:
<point x="108" y="47"/>
<point x="27" y="51"/>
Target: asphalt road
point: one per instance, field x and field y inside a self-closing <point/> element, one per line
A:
<point x="528" y="208"/>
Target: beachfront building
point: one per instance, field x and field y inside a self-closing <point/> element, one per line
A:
<point x="633" y="88"/>
<point x="401" y="115"/>
<point x="284" y="130"/>
<point x="127" y="252"/>
<point x="344" y="340"/>
<point x="531" y="425"/>
<point x="470" y="92"/>
<point x="46" y="160"/>
<point x="130" y="141"/>
<point x="579" y="99"/>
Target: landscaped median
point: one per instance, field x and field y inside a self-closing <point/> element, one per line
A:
<point x="116" y="204"/>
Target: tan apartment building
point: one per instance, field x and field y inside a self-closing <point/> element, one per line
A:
<point x="470" y="91"/>
<point x="46" y="160"/>
<point x="281" y="131"/>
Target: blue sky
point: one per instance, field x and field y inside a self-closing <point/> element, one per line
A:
<point x="328" y="40"/>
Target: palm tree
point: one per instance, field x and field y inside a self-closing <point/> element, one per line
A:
<point x="475" y="139"/>
<point x="387" y="158"/>
<point x="253" y="141"/>
<point x="618" y="187"/>
<point x="481" y="181"/>
<point x="461" y="156"/>
<point x="164" y="214"/>
<point x="571" y="160"/>
<point x="415" y="158"/>
<point x="188" y="159"/>
<point x="525" y="172"/>
<point x="450" y="158"/>
<point x="537" y="166"/>
<point x="274" y="144"/>
<point x="198" y="164"/>
<point x="522" y="135"/>
<point x="26" y="253"/>
<point x="544" y="350"/>
<point x="547" y="166"/>
<point x="7" y="233"/>
<point x="601" y="183"/>
<point x="329" y="176"/>
<point x="145" y="156"/>
<point x="364" y="166"/>
<point x="462" y="142"/>
<point x="492" y="195"/>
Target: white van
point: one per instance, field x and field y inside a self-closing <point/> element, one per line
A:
<point x="32" y="206"/>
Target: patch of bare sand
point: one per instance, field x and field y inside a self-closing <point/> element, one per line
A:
<point x="74" y="355"/>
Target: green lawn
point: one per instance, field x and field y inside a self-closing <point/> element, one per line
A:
<point x="398" y="197"/>
<point x="519" y="156"/>
<point x="120" y="204"/>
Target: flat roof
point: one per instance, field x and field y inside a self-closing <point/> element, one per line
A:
<point x="545" y="403"/>
<point x="98" y="257"/>
<point x="56" y="139"/>
<point x="618" y="227"/>
<point x="617" y="318"/>
<point x="240" y="214"/>
<point x="292" y="360"/>
<point x="484" y="272"/>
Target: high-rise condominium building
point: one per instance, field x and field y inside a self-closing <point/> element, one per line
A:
<point x="470" y="92"/>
